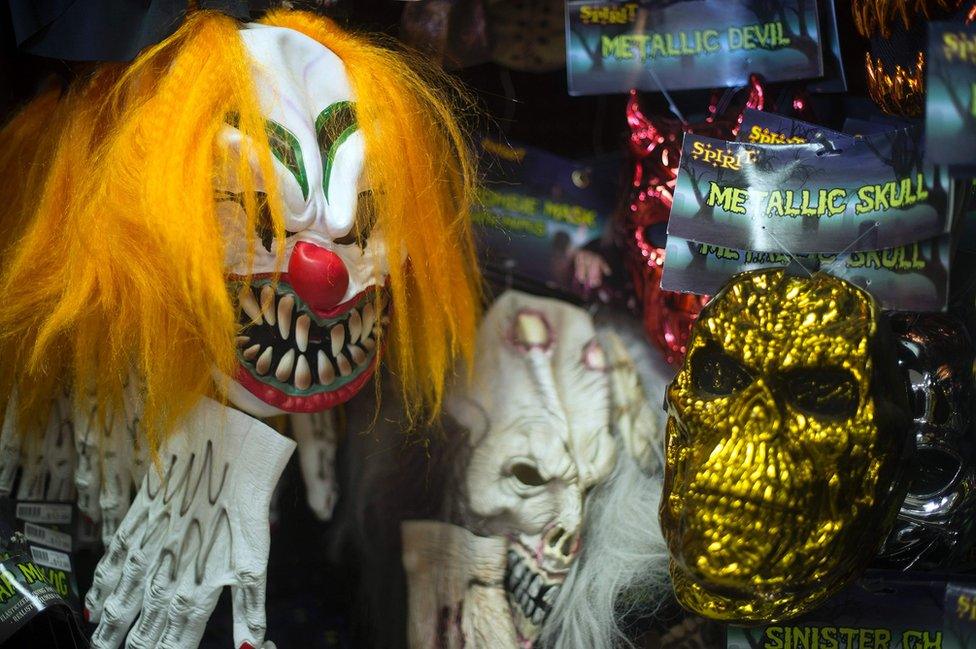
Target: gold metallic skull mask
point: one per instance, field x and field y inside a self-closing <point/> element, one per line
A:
<point x="788" y="432"/>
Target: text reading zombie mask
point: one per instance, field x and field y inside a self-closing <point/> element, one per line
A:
<point x="935" y="524"/>
<point x="309" y="341"/>
<point x="787" y="436"/>
<point x="655" y="148"/>
<point x="538" y="409"/>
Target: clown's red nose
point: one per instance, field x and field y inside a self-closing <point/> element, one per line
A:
<point x="318" y="276"/>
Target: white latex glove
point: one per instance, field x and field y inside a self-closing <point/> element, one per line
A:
<point x="45" y="462"/>
<point x="200" y="526"/>
<point x="455" y="593"/>
<point x="111" y="461"/>
<point x="317" y="438"/>
<point x="10" y="443"/>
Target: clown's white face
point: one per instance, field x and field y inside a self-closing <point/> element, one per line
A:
<point x="308" y="343"/>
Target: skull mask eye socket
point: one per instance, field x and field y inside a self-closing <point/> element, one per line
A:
<point x="823" y="393"/>
<point x="937" y="471"/>
<point x="716" y="374"/>
<point x="528" y="475"/>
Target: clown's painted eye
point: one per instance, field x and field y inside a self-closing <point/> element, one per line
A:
<point x="365" y="220"/>
<point x="263" y="225"/>
<point x="714" y="373"/>
<point x="823" y="392"/>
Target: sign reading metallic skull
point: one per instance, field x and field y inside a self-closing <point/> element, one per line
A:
<point x="787" y="438"/>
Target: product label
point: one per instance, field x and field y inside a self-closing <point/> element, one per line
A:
<point x="44" y="513"/>
<point x="542" y="220"/>
<point x="611" y="46"/>
<point x="913" y="277"/>
<point x="48" y="537"/>
<point x="760" y="127"/>
<point x="874" y="194"/>
<point x="950" y="97"/>
<point x="25" y="591"/>
<point x="886" y="611"/>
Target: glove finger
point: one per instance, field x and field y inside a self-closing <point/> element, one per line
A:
<point x="9" y="450"/>
<point x="155" y="606"/>
<point x="87" y="471"/>
<point x="122" y="606"/>
<point x="111" y="565"/>
<point x="187" y="616"/>
<point x="250" y="617"/>
<point x="34" y="474"/>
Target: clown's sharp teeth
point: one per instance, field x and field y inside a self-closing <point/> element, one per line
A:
<point x="285" y="365"/>
<point x="285" y="307"/>
<point x="355" y="326"/>
<point x="249" y="304"/>
<point x="242" y="340"/>
<point x="368" y="318"/>
<point x="264" y="363"/>
<point x="369" y="342"/>
<point x="345" y="369"/>
<point x="267" y="304"/>
<point x="303" y="374"/>
<point x="301" y="332"/>
<point x="326" y="371"/>
<point x="538" y="616"/>
<point x="358" y="355"/>
<point x="338" y="338"/>
<point x="536" y="586"/>
<point x="251" y="352"/>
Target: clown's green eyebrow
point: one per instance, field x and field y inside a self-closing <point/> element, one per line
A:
<point x="332" y="127"/>
<point x="285" y="147"/>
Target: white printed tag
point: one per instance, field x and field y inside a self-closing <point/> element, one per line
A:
<point x="44" y="513"/>
<point x="48" y="537"/>
<point x="51" y="558"/>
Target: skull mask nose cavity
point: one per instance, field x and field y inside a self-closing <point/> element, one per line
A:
<point x="561" y="545"/>
<point x="318" y="275"/>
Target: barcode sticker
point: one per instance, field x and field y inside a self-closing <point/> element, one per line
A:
<point x="47" y="536"/>
<point x="44" y="513"/>
<point x="51" y="558"/>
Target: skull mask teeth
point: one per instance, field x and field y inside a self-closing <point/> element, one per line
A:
<point x="538" y="408"/>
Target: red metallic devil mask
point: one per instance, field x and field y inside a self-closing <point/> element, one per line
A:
<point x="655" y="147"/>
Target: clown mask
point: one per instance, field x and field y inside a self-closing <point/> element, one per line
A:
<point x="308" y="341"/>
<point x="787" y="439"/>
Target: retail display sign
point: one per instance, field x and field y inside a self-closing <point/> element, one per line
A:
<point x="799" y="198"/>
<point x="909" y="277"/>
<point x="616" y="46"/>
<point x="884" y="610"/>
<point x="912" y="276"/>
<point x="29" y="584"/>
<point x="538" y="213"/>
<point x="760" y="127"/>
<point x="950" y="104"/>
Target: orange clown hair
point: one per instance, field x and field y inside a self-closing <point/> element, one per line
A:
<point x="113" y="261"/>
